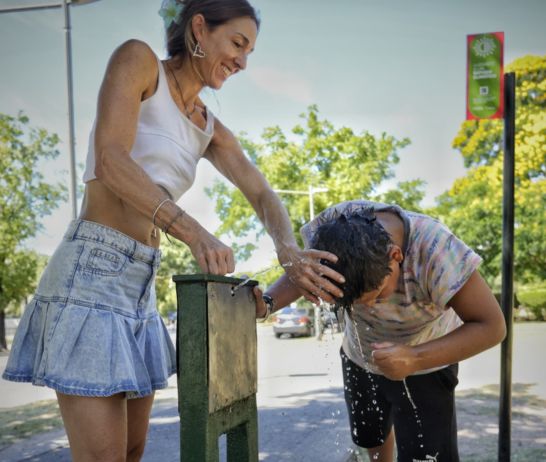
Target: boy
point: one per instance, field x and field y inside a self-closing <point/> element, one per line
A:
<point x="414" y="305"/>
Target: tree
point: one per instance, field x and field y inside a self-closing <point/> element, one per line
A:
<point x="317" y="154"/>
<point x="407" y="194"/>
<point x="473" y="205"/>
<point x="176" y="258"/>
<point x="24" y="198"/>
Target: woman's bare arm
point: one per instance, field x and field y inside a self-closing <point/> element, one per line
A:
<point x="302" y="266"/>
<point x="483" y="328"/>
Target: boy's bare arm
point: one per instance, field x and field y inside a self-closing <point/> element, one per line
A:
<point x="283" y="292"/>
<point x="483" y="328"/>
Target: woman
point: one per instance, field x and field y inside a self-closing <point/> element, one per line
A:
<point x="92" y="331"/>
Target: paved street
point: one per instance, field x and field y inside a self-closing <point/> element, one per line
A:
<point x="302" y="414"/>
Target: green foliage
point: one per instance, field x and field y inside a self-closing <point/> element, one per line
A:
<point x="18" y="279"/>
<point x="534" y="300"/>
<point x="176" y="258"/>
<point x="534" y="297"/>
<point x="407" y="194"/>
<point x="23" y="275"/>
<point x="24" y="198"/>
<point x="472" y="208"/>
<point x="316" y="154"/>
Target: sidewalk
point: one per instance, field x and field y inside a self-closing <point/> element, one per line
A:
<point x="301" y="411"/>
<point x="302" y="415"/>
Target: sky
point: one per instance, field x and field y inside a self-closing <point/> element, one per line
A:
<point x="394" y="66"/>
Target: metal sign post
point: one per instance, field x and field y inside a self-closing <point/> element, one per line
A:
<point x="217" y="373"/>
<point x="491" y="94"/>
<point x="507" y="293"/>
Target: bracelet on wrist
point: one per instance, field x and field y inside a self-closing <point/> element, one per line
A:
<point x="179" y="213"/>
<point x="161" y="204"/>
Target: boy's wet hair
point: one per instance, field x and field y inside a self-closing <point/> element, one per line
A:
<point x="362" y="246"/>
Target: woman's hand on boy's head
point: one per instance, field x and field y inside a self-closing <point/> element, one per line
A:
<point x="315" y="280"/>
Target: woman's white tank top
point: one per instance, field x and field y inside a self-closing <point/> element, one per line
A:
<point x="167" y="144"/>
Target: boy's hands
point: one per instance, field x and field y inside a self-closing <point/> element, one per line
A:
<point x="394" y="361"/>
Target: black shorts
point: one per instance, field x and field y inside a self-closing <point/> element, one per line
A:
<point x="424" y="432"/>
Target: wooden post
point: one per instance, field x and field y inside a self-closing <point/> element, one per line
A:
<point x="217" y="373"/>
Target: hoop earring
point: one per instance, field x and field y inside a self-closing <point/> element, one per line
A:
<point x="198" y="51"/>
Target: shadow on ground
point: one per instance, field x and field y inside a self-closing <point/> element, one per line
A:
<point x="315" y="428"/>
<point x="310" y="429"/>
<point x="21" y="422"/>
<point x="477" y="415"/>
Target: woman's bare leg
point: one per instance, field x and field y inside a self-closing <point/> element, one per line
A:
<point x="138" y="418"/>
<point x="96" y="427"/>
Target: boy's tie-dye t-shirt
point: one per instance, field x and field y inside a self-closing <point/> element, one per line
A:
<point x="436" y="265"/>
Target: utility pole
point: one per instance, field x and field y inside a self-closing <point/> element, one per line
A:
<point x="65" y="5"/>
<point x="310" y="192"/>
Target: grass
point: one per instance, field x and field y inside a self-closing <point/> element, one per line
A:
<point x="532" y="294"/>
<point x="533" y="297"/>
<point x="21" y="422"/>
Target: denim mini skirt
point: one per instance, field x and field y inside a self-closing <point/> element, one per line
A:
<point x="92" y="328"/>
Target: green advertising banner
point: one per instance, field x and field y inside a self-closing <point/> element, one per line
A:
<point x="484" y="81"/>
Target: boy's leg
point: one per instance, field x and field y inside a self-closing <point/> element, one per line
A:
<point x="385" y="452"/>
<point x="428" y="432"/>
<point x="369" y="412"/>
<point x="96" y="427"/>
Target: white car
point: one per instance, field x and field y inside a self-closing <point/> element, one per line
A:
<point x="294" y="321"/>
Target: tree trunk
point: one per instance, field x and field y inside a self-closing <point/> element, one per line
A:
<point x="3" y="342"/>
